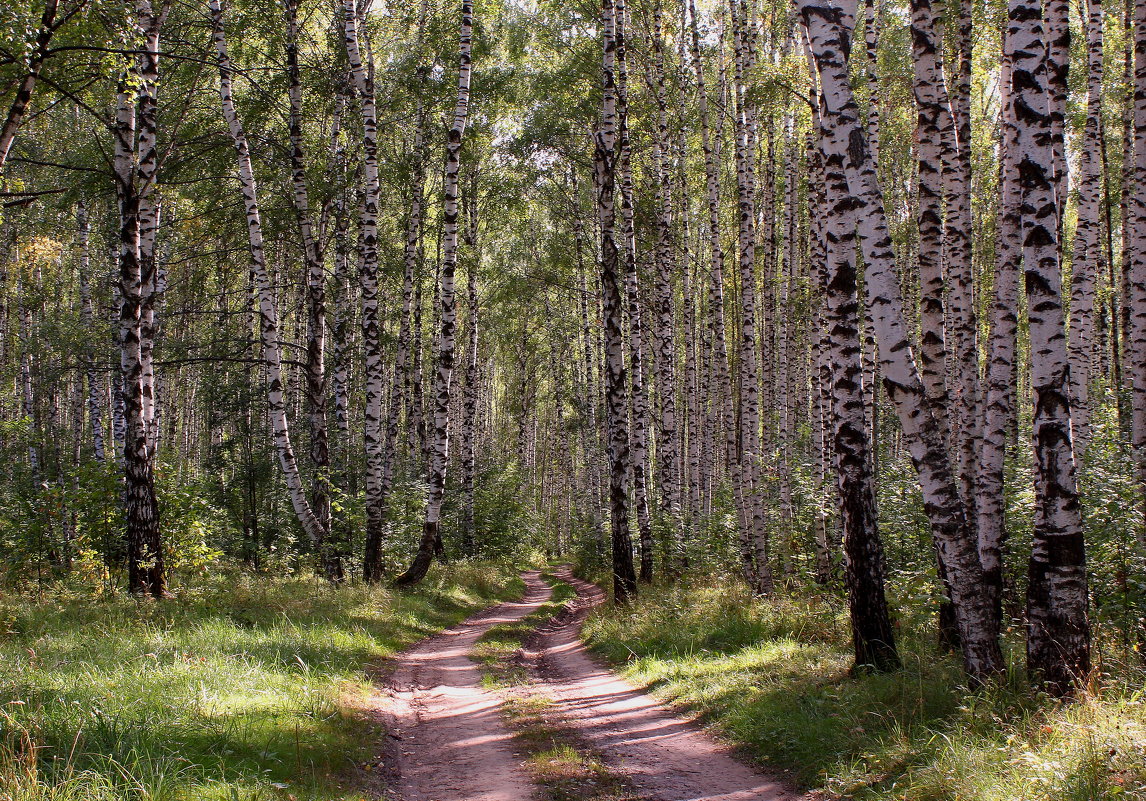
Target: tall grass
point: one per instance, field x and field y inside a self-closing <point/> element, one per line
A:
<point x="774" y="678"/>
<point x="242" y="688"/>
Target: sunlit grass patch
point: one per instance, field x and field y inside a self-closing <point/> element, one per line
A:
<point x="774" y="677"/>
<point x="241" y="688"/>
<point x="569" y="775"/>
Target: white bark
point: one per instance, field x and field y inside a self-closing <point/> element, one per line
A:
<point x="268" y="313"/>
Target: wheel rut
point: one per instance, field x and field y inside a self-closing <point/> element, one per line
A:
<point x="452" y="743"/>
<point x="666" y="757"/>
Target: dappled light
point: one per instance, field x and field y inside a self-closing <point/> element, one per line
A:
<point x="606" y="400"/>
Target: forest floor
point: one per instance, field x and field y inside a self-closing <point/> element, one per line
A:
<point x="546" y="714"/>
<point x="775" y="678"/>
<point x="241" y="688"/>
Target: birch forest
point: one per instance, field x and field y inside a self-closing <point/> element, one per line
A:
<point x="795" y="351"/>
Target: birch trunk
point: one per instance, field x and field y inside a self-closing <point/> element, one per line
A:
<point x="27" y="84"/>
<point x="934" y="125"/>
<point x="720" y="384"/>
<point x="402" y="392"/>
<point x="1086" y="265"/>
<point x="872" y="636"/>
<point x="750" y="455"/>
<point x="440" y="441"/>
<point x="316" y="305"/>
<point x="87" y="318"/>
<point x="362" y="79"/>
<point x="639" y="428"/>
<point x="151" y="285"/>
<point x="664" y="349"/>
<point x="268" y="312"/>
<point x="845" y="139"/>
<point x="146" y="574"/>
<point x="469" y="396"/>
<point x="998" y="405"/>
<point x="1058" y="635"/>
<point x="1135" y="342"/>
<point x="824" y="415"/>
<point x="605" y="175"/>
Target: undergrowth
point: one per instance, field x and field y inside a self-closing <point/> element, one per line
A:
<point x="243" y="687"/>
<point x="774" y="677"/>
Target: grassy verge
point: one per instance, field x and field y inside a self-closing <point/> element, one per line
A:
<point x="244" y="688"/>
<point x="556" y="761"/>
<point x="774" y="678"/>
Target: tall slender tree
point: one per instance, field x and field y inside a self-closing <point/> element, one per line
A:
<point x="440" y="441"/>
<point x="267" y="307"/>
<point x="605" y="157"/>
<point x="1058" y="636"/>
<point x="362" y="80"/>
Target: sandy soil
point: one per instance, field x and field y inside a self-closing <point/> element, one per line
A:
<point x="666" y="757"/>
<point x="451" y="743"/>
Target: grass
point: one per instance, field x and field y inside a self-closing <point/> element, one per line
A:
<point x="774" y="678"/>
<point x="242" y="688"/>
<point x="557" y="762"/>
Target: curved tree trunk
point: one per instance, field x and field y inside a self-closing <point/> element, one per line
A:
<point x="268" y="314"/>
<point x="19" y="108"/>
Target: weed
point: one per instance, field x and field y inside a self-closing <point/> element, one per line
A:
<point x="242" y="688"/>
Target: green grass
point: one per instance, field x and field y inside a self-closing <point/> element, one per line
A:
<point x="774" y="677"/>
<point x="242" y="688"/>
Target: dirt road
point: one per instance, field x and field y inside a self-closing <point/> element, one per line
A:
<point x="454" y="746"/>
<point x="451" y="742"/>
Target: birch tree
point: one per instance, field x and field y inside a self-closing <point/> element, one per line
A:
<point x="146" y="570"/>
<point x="1058" y="636"/>
<point x="267" y="310"/>
<point x="316" y="303"/>
<point x="362" y="80"/>
<point x="957" y="548"/>
<point x="605" y="157"/>
<point x="87" y="318"/>
<point x="440" y="439"/>
<point x="1087" y="262"/>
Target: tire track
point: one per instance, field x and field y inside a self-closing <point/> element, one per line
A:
<point x="665" y="756"/>
<point x="451" y="742"/>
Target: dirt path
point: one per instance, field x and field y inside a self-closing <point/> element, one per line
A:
<point x="451" y="742"/>
<point x="666" y="757"/>
<point x="452" y="745"/>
